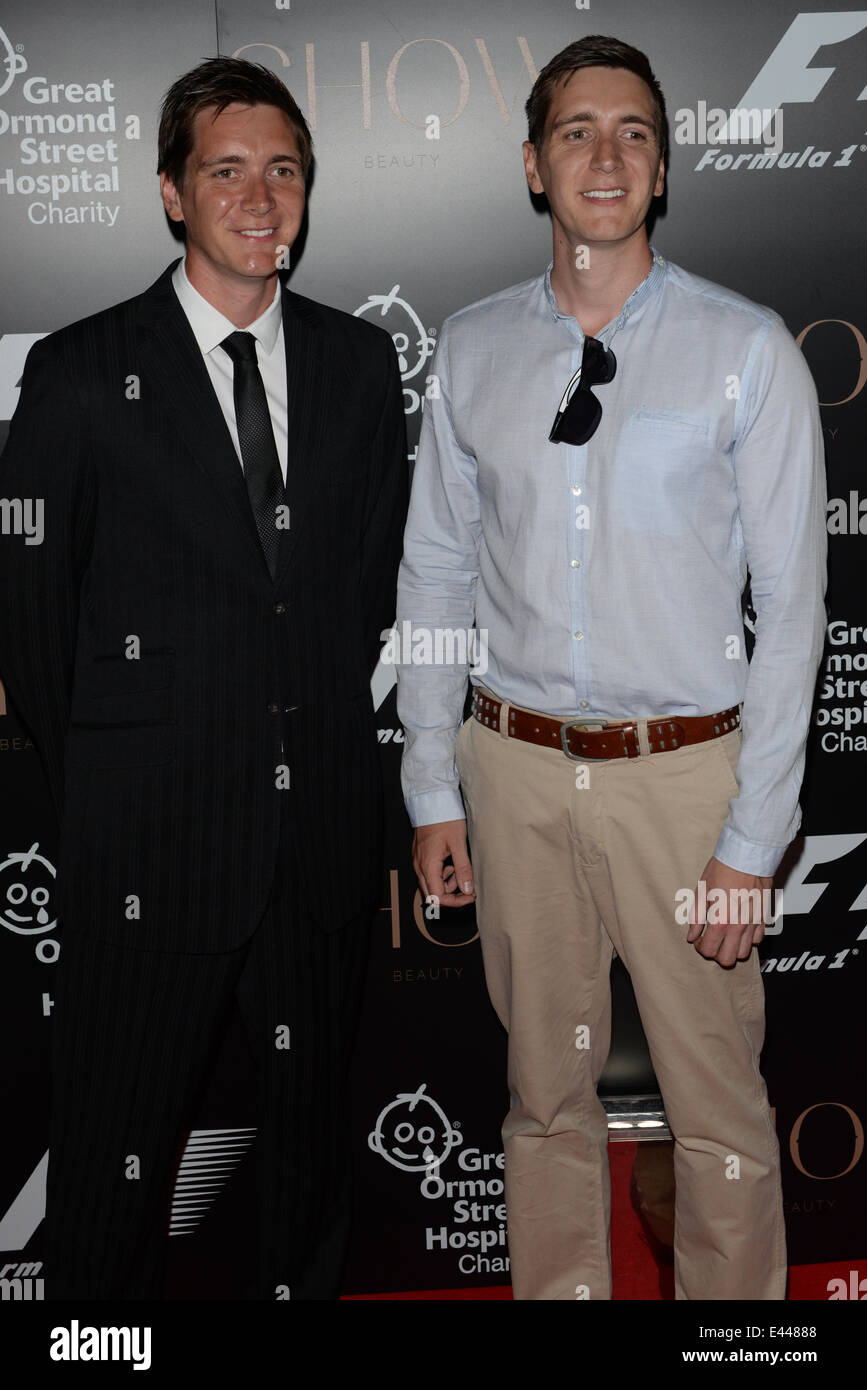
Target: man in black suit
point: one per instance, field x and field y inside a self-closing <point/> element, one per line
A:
<point x="224" y="475"/>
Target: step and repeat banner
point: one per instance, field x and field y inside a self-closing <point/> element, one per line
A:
<point x="418" y="207"/>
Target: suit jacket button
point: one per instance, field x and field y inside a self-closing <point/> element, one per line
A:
<point x="279" y="608"/>
<point x="273" y="709"/>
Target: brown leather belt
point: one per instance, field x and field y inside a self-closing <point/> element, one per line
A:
<point x="616" y="739"/>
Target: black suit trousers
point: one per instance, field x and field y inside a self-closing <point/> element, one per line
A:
<point x="134" y="1035"/>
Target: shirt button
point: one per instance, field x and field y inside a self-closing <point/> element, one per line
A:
<point x="576" y="491"/>
<point x="578" y="636"/>
<point x="576" y="564"/>
<point x="279" y="608"/>
<point x="585" y="704"/>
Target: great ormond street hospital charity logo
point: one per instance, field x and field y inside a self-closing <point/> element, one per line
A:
<point x="26" y="883"/>
<point x="413" y="1133"/>
<point x="14" y="63"/>
<point x="411" y="339"/>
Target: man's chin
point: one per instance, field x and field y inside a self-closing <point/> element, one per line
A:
<point x="237" y="264"/>
<point x="259" y="272"/>
<point x="260" y="267"/>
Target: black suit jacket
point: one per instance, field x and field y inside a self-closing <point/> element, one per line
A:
<point x="164" y="769"/>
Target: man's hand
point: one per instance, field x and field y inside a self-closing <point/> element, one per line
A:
<point x="432" y="845"/>
<point x="726" y="941"/>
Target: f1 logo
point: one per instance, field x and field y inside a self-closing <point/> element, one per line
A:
<point x="14" y="348"/>
<point x="786" y="75"/>
<point x="803" y="889"/>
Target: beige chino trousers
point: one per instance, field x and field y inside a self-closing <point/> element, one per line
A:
<point x="565" y="875"/>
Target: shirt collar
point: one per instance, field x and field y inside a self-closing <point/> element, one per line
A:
<point x="211" y="327"/>
<point x="649" y="285"/>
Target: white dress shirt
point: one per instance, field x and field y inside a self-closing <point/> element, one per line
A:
<point x="211" y="327"/>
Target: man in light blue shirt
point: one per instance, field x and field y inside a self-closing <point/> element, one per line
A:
<point x="601" y="559"/>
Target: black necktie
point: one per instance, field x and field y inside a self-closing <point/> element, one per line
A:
<point x="256" y="438"/>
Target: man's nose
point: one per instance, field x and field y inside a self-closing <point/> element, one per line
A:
<point x="258" y="197"/>
<point x="607" y="152"/>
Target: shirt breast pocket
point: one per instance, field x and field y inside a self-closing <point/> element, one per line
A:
<point x="664" y="461"/>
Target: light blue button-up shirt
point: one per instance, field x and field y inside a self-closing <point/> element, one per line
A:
<point x="607" y="579"/>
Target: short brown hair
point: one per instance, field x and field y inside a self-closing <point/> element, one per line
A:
<point x="220" y="82"/>
<point x="595" y="51"/>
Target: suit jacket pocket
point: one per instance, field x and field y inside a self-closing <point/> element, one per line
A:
<point x="112" y="673"/>
<point x="123" y="711"/>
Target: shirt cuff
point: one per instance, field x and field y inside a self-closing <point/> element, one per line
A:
<point x="427" y="808"/>
<point x="746" y="856"/>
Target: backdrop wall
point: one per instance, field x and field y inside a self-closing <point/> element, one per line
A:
<point x="419" y="206"/>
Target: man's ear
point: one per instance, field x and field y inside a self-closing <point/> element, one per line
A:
<point x="171" y="198"/>
<point x="659" y="186"/>
<point x="530" y="167"/>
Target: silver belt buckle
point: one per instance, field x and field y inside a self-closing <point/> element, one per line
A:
<point x="583" y="725"/>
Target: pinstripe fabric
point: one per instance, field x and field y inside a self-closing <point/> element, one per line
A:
<point x="167" y="769"/>
<point x="164" y="768"/>
<point x="129" y="1066"/>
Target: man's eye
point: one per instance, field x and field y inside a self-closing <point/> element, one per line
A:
<point x="638" y="134"/>
<point x="575" y="133"/>
<point x="285" y="169"/>
<point x="220" y="172"/>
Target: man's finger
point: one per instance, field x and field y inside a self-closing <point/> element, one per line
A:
<point x="463" y="872"/>
<point x="710" y="943"/>
<point x="419" y="873"/>
<point x="695" y="926"/>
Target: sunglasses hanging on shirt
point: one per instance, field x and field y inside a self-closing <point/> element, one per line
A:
<point x="579" y="412"/>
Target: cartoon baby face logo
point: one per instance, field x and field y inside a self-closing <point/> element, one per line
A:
<point x="26" y="883"/>
<point x="413" y="1133"/>
<point x="14" y="63"/>
<point x="413" y="343"/>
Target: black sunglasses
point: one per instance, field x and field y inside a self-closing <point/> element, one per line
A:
<point x="579" y="412"/>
